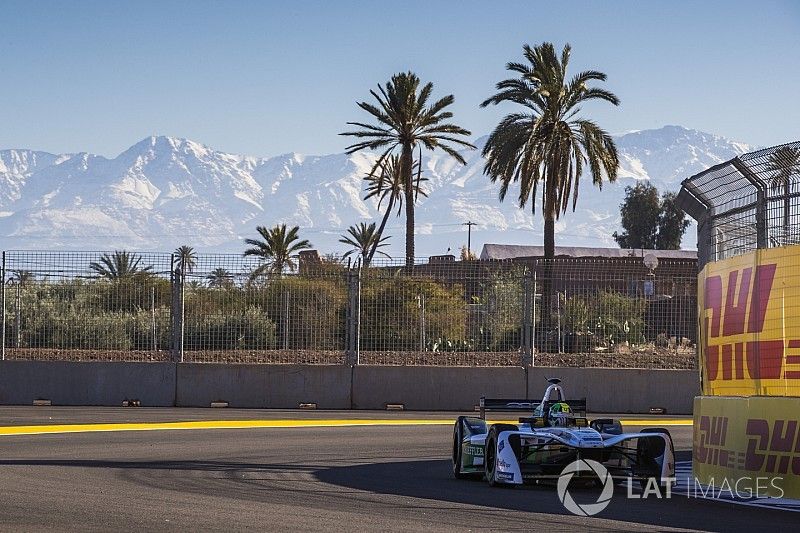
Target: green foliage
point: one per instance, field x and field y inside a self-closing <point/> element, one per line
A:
<point x="444" y="344"/>
<point x="220" y="278"/>
<point x="364" y="240"/>
<point x="640" y="212"/>
<point x="610" y="317"/>
<point x="404" y="119"/>
<point x="502" y="312"/>
<point x="248" y="329"/>
<point x="672" y="223"/>
<point x="316" y="311"/>
<point x="276" y="249"/>
<point x="186" y="257"/>
<point x="392" y="313"/>
<point x="784" y="165"/>
<point x="545" y="146"/>
<point x="120" y="265"/>
<point x="650" y="222"/>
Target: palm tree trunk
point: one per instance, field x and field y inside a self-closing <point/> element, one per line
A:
<point x="547" y="274"/>
<point x="787" y="205"/>
<point x="379" y="235"/>
<point x="408" y="181"/>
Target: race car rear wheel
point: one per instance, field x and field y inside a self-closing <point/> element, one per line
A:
<point x="458" y="440"/>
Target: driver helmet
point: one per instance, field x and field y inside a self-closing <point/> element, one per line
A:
<point x="561" y="415"/>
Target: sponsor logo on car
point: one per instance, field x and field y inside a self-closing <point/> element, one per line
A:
<point x="473" y="450"/>
<point x="503" y="464"/>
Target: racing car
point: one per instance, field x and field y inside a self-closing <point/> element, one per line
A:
<point x="540" y="446"/>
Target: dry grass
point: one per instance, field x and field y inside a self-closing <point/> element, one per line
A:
<point x="642" y="357"/>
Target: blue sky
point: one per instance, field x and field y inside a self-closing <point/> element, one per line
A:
<point x="265" y="78"/>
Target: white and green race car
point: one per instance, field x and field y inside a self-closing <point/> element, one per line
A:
<point x="558" y="433"/>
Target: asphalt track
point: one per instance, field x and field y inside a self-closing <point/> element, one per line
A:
<point x="329" y="476"/>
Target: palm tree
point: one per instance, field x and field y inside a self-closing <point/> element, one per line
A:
<point x="22" y="277"/>
<point x="119" y="265"/>
<point x="276" y="250"/>
<point x="187" y="259"/>
<point x="363" y="238"/>
<point x="388" y="185"/>
<point x="405" y="121"/>
<point x="547" y="145"/>
<point x="219" y="278"/>
<point x="784" y="163"/>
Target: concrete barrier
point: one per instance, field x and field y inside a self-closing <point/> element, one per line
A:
<point x="622" y="390"/>
<point x="91" y="383"/>
<point x="263" y="386"/>
<point x="433" y="388"/>
<point x="611" y="390"/>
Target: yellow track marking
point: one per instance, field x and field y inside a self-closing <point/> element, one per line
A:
<point x="253" y="424"/>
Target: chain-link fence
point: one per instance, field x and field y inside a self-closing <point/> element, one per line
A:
<point x="228" y="308"/>
<point x="748" y="215"/>
<point x="750" y="202"/>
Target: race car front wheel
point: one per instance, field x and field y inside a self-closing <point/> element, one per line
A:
<point x="458" y="440"/>
<point x="490" y="457"/>
<point x="648" y="450"/>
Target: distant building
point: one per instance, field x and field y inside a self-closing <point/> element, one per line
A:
<point x="505" y="252"/>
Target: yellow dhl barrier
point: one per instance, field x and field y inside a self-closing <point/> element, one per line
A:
<point x="748" y="443"/>
<point x="749" y="309"/>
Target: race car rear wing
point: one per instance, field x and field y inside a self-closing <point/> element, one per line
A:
<point x="499" y="404"/>
<point x="503" y="404"/>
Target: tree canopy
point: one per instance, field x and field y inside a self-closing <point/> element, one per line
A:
<point x="650" y="221"/>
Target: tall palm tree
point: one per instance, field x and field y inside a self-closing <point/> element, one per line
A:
<point x="405" y="121"/>
<point x="547" y="145"/>
<point x="187" y="258"/>
<point x="387" y="184"/>
<point x="276" y="249"/>
<point x="219" y="278"/>
<point x="119" y="265"/>
<point x="364" y="238"/>
<point x="784" y="163"/>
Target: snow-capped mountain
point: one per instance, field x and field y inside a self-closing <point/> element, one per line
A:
<point x="164" y="191"/>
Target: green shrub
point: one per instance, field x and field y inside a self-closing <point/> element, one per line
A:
<point x="502" y="308"/>
<point x="250" y="329"/>
<point x="608" y="316"/>
<point x="392" y="313"/>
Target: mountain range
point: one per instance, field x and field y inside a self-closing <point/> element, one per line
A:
<point x="165" y="191"/>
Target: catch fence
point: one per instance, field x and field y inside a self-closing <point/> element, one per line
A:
<point x="130" y="306"/>
<point x="747" y="203"/>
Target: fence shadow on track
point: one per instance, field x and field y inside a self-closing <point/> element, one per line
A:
<point x="432" y="480"/>
<point x="420" y="479"/>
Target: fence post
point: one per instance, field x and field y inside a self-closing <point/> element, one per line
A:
<point x="18" y="316"/>
<point x="177" y="313"/>
<point x="422" y="340"/>
<point x="153" y="318"/>
<point x="527" y="320"/>
<point x="285" y="320"/>
<point x="353" y="322"/>
<point x="3" y="308"/>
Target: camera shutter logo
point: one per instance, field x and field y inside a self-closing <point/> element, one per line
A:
<point x="585" y="509"/>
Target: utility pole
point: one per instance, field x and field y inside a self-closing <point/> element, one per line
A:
<point x="469" y="225"/>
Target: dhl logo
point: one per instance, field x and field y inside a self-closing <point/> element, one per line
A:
<point x="783" y="440"/>
<point x="773" y="449"/>
<point x="712" y="432"/>
<point x="743" y="310"/>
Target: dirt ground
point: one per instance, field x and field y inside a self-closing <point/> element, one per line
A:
<point x="644" y="357"/>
